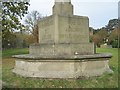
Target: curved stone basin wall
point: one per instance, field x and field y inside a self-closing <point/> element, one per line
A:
<point x="92" y="65"/>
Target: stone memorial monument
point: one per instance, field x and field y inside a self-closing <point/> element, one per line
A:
<point x="64" y="50"/>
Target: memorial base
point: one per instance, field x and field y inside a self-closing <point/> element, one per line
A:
<point x="62" y="67"/>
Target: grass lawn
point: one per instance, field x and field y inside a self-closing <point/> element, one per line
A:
<point x="10" y="52"/>
<point x="15" y="81"/>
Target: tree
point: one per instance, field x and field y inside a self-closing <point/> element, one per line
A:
<point x="100" y="37"/>
<point x="113" y="38"/>
<point x="107" y="34"/>
<point x="12" y="12"/>
<point x="29" y="39"/>
<point x="91" y="32"/>
<point x="112" y="24"/>
<point x="31" y="22"/>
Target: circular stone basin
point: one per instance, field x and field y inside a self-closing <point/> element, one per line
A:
<point x="62" y="66"/>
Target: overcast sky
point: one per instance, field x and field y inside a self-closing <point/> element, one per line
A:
<point x="99" y="12"/>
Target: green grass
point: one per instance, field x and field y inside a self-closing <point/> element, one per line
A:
<point x="15" y="81"/>
<point x="114" y="60"/>
<point x="10" y="52"/>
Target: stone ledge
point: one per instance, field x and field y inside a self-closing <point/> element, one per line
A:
<point x="65" y="57"/>
<point x="62" y="49"/>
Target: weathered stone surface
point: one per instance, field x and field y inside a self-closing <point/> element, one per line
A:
<point x="59" y="49"/>
<point x="63" y="7"/>
<point x="62" y="68"/>
<point x="75" y="29"/>
<point x="64" y="57"/>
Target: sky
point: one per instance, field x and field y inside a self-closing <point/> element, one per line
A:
<point x="99" y="12"/>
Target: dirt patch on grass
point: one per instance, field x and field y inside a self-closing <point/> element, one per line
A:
<point x="8" y="62"/>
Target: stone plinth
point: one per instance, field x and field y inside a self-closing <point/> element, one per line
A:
<point x="62" y="66"/>
<point x="60" y="34"/>
<point x="60" y="49"/>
